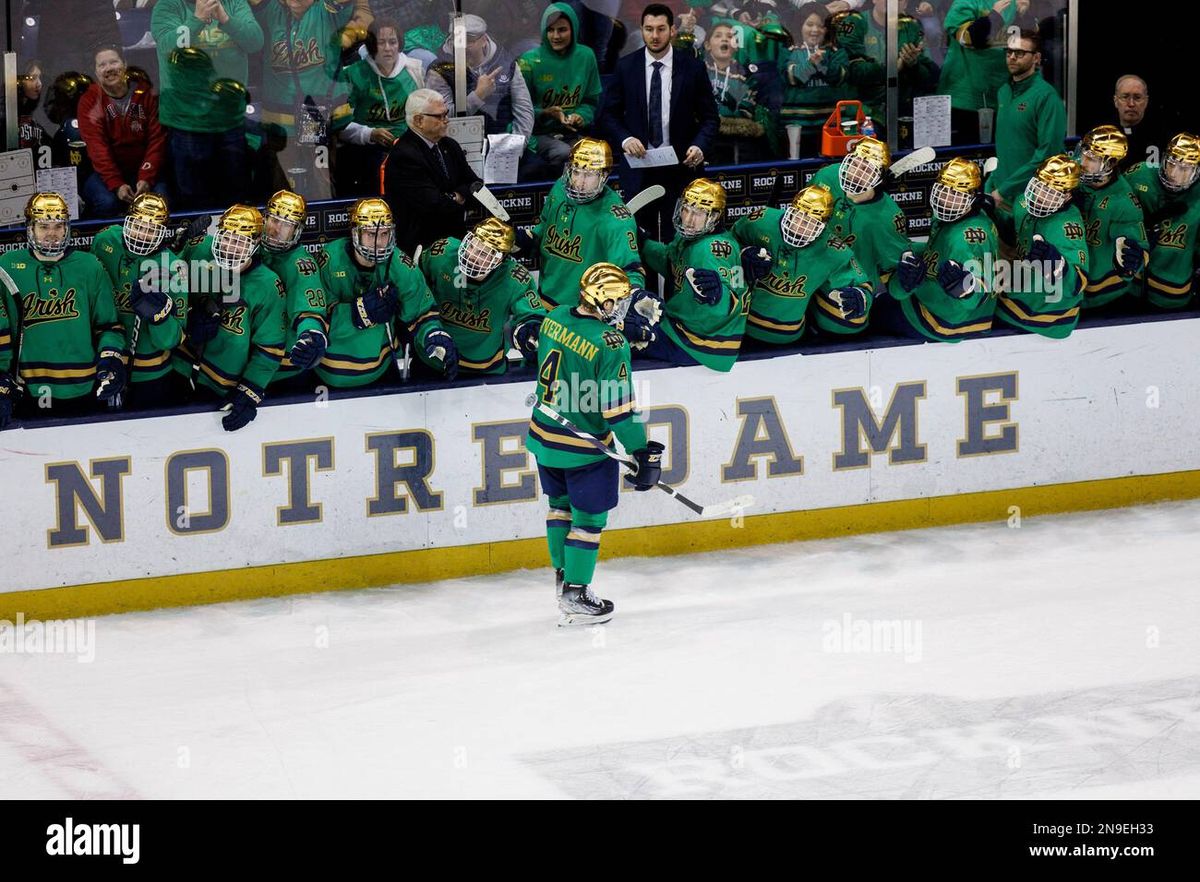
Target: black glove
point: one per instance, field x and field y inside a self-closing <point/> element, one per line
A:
<point x="979" y="32"/>
<point x="649" y="466"/>
<point x="910" y="271"/>
<point x="243" y="404"/>
<point x="110" y="374"/>
<point x="705" y="285"/>
<point x="448" y="356"/>
<point x="376" y="307"/>
<point x="1044" y="253"/>
<point x="148" y="298"/>
<point x="638" y="329"/>
<point x="756" y="263"/>
<point x="204" y="321"/>
<point x="852" y="300"/>
<point x="525" y="240"/>
<point x="647" y="304"/>
<point x="8" y="396"/>
<point x="1128" y="255"/>
<point x="308" y="349"/>
<point x="525" y="336"/>
<point x="955" y="280"/>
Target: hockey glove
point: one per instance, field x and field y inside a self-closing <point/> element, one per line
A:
<point x="955" y="280"/>
<point x="1128" y="255"/>
<point x="110" y="374"/>
<point x="308" y="349"/>
<point x="851" y="300"/>
<point x="910" y="271"/>
<point x="756" y="263"/>
<point x="148" y="298"/>
<point x="1051" y="260"/>
<point x="649" y="466"/>
<point x="647" y="305"/>
<point x="204" y="321"/>
<point x="8" y="397"/>
<point x="705" y="285"/>
<point x="638" y="330"/>
<point x="525" y="240"/>
<point x="376" y="307"/>
<point x="439" y="347"/>
<point x="243" y="404"/>
<point x="525" y="336"/>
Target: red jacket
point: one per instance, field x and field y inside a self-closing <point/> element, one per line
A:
<point x="124" y="148"/>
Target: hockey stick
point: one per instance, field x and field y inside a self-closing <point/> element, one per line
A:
<point x="117" y="400"/>
<point x="723" y="509"/>
<point x="490" y="202"/>
<point x="990" y="165"/>
<point x="920" y="156"/>
<point x="644" y="198"/>
<point x="404" y="363"/>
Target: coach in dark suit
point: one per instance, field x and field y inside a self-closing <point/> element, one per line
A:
<point x="659" y="96"/>
<point x="427" y="180"/>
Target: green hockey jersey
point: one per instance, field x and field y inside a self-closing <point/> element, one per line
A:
<point x="305" y="307"/>
<point x="475" y="313"/>
<point x="972" y="242"/>
<point x="301" y="59"/>
<point x="1110" y="212"/>
<point x="1173" y="220"/>
<point x="572" y="237"/>
<point x="875" y="230"/>
<point x="155" y="343"/>
<point x="1030" y="303"/>
<point x="249" y="344"/>
<point x="710" y="334"/>
<point x="583" y="374"/>
<point x="358" y="357"/>
<point x="799" y="277"/>
<point x="64" y="318"/>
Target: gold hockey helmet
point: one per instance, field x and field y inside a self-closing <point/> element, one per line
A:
<point x="288" y="210"/>
<point x="372" y="216"/>
<point x="605" y="288"/>
<point x="145" y="226"/>
<point x="953" y="193"/>
<point x="484" y="248"/>
<point x="43" y="214"/>
<point x="701" y="206"/>
<point x="239" y="232"/>
<point x="587" y="171"/>
<point x="1051" y="186"/>
<point x="864" y="165"/>
<point x="804" y="220"/>
<point x="1181" y="163"/>
<point x="1101" y="150"/>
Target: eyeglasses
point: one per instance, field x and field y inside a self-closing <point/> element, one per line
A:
<point x="1017" y="53"/>
<point x="1132" y="99"/>
<point x="444" y="115"/>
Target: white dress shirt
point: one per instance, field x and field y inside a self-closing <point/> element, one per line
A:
<point x="665" y="75"/>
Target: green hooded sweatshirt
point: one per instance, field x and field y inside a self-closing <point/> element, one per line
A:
<point x="569" y="79"/>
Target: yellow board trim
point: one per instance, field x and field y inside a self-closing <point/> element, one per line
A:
<point x="435" y="564"/>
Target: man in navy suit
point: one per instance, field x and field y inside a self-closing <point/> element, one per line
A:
<point x="659" y="97"/>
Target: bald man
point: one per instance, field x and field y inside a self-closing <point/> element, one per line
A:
<point x="1131" y="99"/>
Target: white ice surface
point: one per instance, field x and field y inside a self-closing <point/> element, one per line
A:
<point x="1057" y="659"/>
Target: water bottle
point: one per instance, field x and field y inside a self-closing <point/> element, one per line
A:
<point x="868" y="127"/>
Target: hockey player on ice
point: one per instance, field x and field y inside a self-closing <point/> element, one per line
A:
<point x="478" y="287"/>
<point x="584" y="375"/>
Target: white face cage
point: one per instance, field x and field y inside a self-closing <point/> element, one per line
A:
<point x="47" y="249"/>
<point x="583" y="184"/>
<point x="378" y="252"/>
<point x="231" y="250"/>
<point x="477" y="259"/>
<point x="142" y="237"/>
<point x="949" y="204"/>
<point x="1176" y="175"/>
<point x="1104" y="167"/>
<point x="699" y="221"/>
<point x="616" y="314"/>
<point x="798" y="228"/>
<point x="1042" y="200"/>
<point x="858" y="174"/>
<point x="290" y="233"/>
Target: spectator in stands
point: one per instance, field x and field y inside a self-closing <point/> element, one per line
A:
<point x="495" y="87"/>
<point x="742" y="130"/>
<point x="1131" y="99"/>
<point x="378" y="87"/>
<point x="118" y="119"/>
<point x="564" y="85"/>
<point x="203" y="49"/>
<point x="427" y="179"/>
<point x="976" y="32"/>
<point x="814" y="72"/>
<point x="29" y="93"/>
<point x="301" y="90"/>
<point x="1031" y="121"/>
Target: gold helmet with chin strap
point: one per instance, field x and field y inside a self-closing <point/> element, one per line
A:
<point x="700" y="195"/>
<point x="1181" y="163"/>
<point x="288" y="208"/>
<point x="606" y="289"/>
<point x="1051" y="186"/>
<point x="587" y="170"/>
<point x="953" y="193"/>
<point x="239" y="232"/>
<point x="864" y="165"/>
<point x="1107" y="145"/>
<point x="145" y="226"/>
<point x="484" y="248"/>
<point x="804" y="220"/>
<point x="47" y="208"/>
<point x="372" y="214"/>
